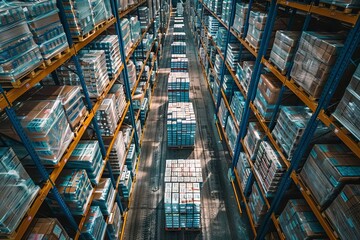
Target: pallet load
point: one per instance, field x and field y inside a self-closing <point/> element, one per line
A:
<point x="125" y="184"/>
<point x="179" y="36"/>
<point x="115" y="223"/>
<point x="182" y="197"/>
<point x="126" y="35"/>
<point x="237" y="106"/>
<point x="46" y="228"/>
<point x="253" y="138"/>
<point x="243" y="169"/>
<point x="181" y="125"/>
<point x="257" y="205"/>
<point x="104" y="196"/>
<point x="244" y="72"/>
<point x="179" y="65"/>
<point x="117" y="93"/>
<point x="117" y="154"/>
<point x="106" y="117"/>
<point x="95" y="226"/>
<point x="178" y="48"/>
<point x="240" y="17"/>
<point x="144" y="17"/>
<point x="178" y="87"/>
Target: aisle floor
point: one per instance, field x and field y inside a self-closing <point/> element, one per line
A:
<point x="220" y="215"/>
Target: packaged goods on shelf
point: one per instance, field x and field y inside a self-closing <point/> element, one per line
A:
<point x="237" y="106"/>
<point x="120" y="99"/>
<point x="213" y="26"/>
<point x="106" y="116"/>
<point x="144" y="110"/>
<point x="144" y="17"/>
<point x="290" y="127"/>
<point x="244" y="73"/>
<point x="228" y="84"/>
<point x="269" y="168"/>
<point x="104" y="196"/>
<point x="99" y="11"/>
<point x="178" y="87"/>
<point x="347" y="112"/>
<point x="257" y="205"/>
<point x="343" y="213"/>
<point x="18" y="191"/>
<point x="93" y="63"/>
<point x="179" y="65"/>
<point x="75" y="188"/>
<point x="79" y="16"/>
<point x="44" y="23"/>
<point x="179" y="36"/>
<point x="46" y="125"/>
<point x="233" y="55"/>
<point x="117" y="154"/>
<point x="131" y="159"/>
<point x="126" y="34"/>
<point x="314" y="59"/>
<point x="46" y="228"/>
<point x="114" y="223"/>
<point x="139" y="129"/>
<point x="218" y="65"/>
<point x="221" y="39"/>
<point x="215" y="89"/>
<point x="178" y="48"/>
<point x="95" y="226"/>
<point x="243" y="169"/>
<point x="283" y="49"/>
<point x="131" y="73"/>
<point x="19" y="53"/>
<point x="125" y="184"/>
<point x="87" y="156"/>
<point x="328" y="168"/>
<point x="110" y="45"/>
<point x="70" y="98"/>
<point x="240" y="17"/>
<point x="135" y="29"/>
<point x="231" y="133"/>
<point x="181" y="125"/>
<point x="182" y="197"/>
<point x="253" y="138"/>
<point x="226" y="11"/>
<point x="343" y="3"/>
<point x="127" y="132"/>
<point x="267" y="95"/>
<point x="223" y="113"/>
<point x="297" y="221"/>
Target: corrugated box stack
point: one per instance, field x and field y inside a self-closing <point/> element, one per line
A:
<point x="117" y="154"/>
<point x="240" y="17"/>
<point x="223" y="113"/>
<point x="237" y="106"/>
<point x="131" y="159"/>
<point x="126" y="35"/>
<point x="114" y="223"/>
<point x="178" y="48"/>
<point x="104" y="196"/>
<point x="231" y="133"/>
<point x="253" y="138"/>
<point x="182" y="197"/>
<point x="178" y="87"/>
<point x="46" y="228"/>
<point x="244" y="73"/>
<point x="95" y="225"/>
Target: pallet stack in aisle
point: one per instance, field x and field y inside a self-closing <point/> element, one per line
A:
<point x="178" y="48"/>
<point x="178" y="87"/>
<point x="179" y="64"/>
<point x="182" y="196"/>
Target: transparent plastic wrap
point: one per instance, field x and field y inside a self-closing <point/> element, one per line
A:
<point x="106" y="117"/>
<point x="265" y="109"/>
<point x="253" y="138"/>
<point x="18" y="191"/>
<point x="135" y="28"/>
<point x="237" y="106"/>
<point x="104" y="196"/>
<point x="46" y="125"/>
<point x="243" y="169"/>
<point x="75" y="188"/>
<point x="46" y="228"/>
<point x="347" y="112"/>
<point x="344" y="212"/>
<point x="328" y="168"/>
<point x="120" y="99"/>
<point x="114" y="223"/>
<point x="297" y="221"/>
<point x="94" y="227"/>
<point x="269" y="86"/>
<point x="87" y="156"/>
<point x="99" y="11"/>
<point x="257" y="205"/>
<point x="231" y="133"/>
<point x="344" y="3"/>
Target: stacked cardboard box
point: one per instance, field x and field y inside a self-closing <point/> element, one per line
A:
<point x="243" y="169"/>
<point x="126" y="34"/>
<point x="178" y="48"/>
<point x="253" y="138"/>
<point x="226" y="11"/>
<point x="231" y="133"/>
<point x="135" y="28"/>
<point x="117" y="93"/>
<point x="104" y="196"/>
<point x="131" y="158"/>
<point x="95" y="226"/>
<point x="106" y="116"/>
<point x="233" y="55"/>
<point x="125" y="184"/>
<point x="131" y="74"/>
<point x="99" y="11"/>
<point x="237" y="106"/>
<point x="240" y="17"/>
<point x="46" y="228"/>
<point x="179" y="65"/>
<point x="178" y="87"/>
<point x="117" y="154"/>
<point x="244" y="73"/>
<point x="179" y="36"/>
<point x="144" y="17"/>
<point x="114" y="223"/>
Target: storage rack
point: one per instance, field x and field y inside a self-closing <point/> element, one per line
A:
<point x="318" y="107"/>
<point x="8" y="97"/>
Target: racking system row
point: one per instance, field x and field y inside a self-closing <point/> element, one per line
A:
<point x="308" y="14"/>
<point x="11" y="95"/>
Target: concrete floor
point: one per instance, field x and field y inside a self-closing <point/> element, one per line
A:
<point x="220" y="215"/>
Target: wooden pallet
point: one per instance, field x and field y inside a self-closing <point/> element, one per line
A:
<point x="256" y="49"/>
<point x="342" y="9"/>
<point x="26" y="77"/>
<point x="172" y="229"/>
<point x="181" y="147"/>
<point x="56" y="57"/>
<point x="283" y="72"/>
<point x="314" y="99"/>
<point x="193" y="229"/>
<point x="92" y="32"/>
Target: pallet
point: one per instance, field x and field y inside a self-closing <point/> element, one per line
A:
<point x="80" y="123"/>
<point x="256" y="49"/>
<point x="91" y="32"/>
<point x="181" y="147"/>
<point x="56" y="57"/>
<point x="338" y="8"/>
<point x="193" y="229"/>
<point x="283" y="72"/>
<point x="23" y="79"/>
<point x="172" y="229"/>
<point x="312" y="98"/>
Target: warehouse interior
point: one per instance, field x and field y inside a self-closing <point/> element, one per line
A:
<point x="163" y="119"/>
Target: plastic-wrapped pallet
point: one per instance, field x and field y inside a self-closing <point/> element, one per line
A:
<point x="131" y="73"/>
<point x="231" y="133"/>
<point x="179" y="65"/>
<point x="253" y="138"/>
<point x="178" y="87"/>
<point x="70" y="98"/>
<point x="181" y="125"/>
<point x="46" y="228"/>
<point x="324" y="171"/>
<point x="179" y="36"/>
<point x="117" y="91"/>
<point x="131" y="159"/>
<point x="17" y="188"/>
<point x="115" y="223"/>
<point x="144" y="110"/>
<point x="213" y="27"/>
<point x="87" y="156"/>
<point x="178" y="48"/>
<point x="94" y="69"/>
<point x="237" y="106"/>
<point x="343" y="213"/>
<point x="179" y="27"/>
<point x="297" y="221"/>
<point x="75" y="188"/>
<point x="223" y="113"/>
<point x="221" y="39"/>
<point x="104" y="196"/>
<point x="126" y="34"/>
<point x="135" y="29"/>
<point x="314" y="59"/>
<point x="45" y="25"/>
<point x="290" y="127"/>
<point x="99" y="11"/>
<point x="267" y="95"/>
<point x="144" y="17"/>
<point x="46" y="125"/>
<point x="125" y="184"/>
<point x="110" y="44"/>
<point x="226" y="11"/>
<point x="244" y="73"/>
<point x="233" y="55"/>
<point x="240" y="17"/>
<point x="343" y="3"/>
<point x="106" y="116"/>
<point x="347" y="112"/>
<point x="243" y="169"/>
<point x="218" y="65"/>
<point x="95" y="226"/>
<point x="283" y="49"/>
<point x="20" y="54"/>
<point x="179" y="9"/>
<point x="269" y="168"/>
<point x="215" y="88"/>
<point x="79" y="16"/>
<point x="117" y="154"/>
<point x="228" y="84"/>
<point x="257" y="205"/>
